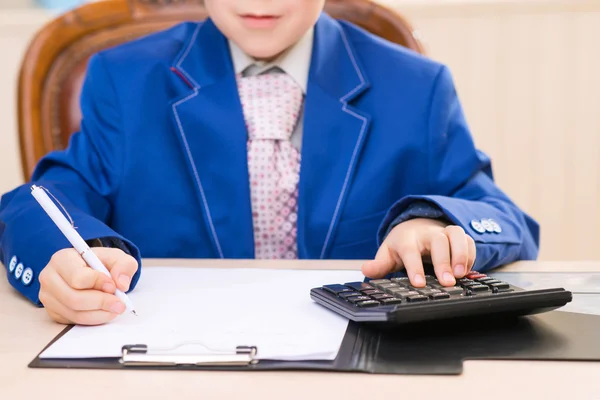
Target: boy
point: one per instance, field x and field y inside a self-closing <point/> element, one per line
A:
<point x="268" y="131"/>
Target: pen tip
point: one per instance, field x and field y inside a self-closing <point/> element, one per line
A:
<point x="134" y="313"/>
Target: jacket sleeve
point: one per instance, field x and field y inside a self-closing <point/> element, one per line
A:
<point x="462" y="190"/>
<point x="83" y="178"/>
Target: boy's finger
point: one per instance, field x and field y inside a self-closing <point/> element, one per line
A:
<point x="383" y="264"/>
<point x="79" y="276"/>
<point x="85" y="300"/>
<point x="440" y="257"/>
<point x="413" y="263"/>
<point x="458" y="249"/>
<point x="64" y="315"/>
<point x="122" y="266"/>
<point x="472" y="253"/>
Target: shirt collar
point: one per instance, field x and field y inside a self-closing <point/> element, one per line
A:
<point x="295" y="61"/>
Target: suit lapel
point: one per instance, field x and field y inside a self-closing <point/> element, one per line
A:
<point x="211" y="129"/>
<point x="334" y="135"/>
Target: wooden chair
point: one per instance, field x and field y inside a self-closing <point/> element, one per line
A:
<point x="54" y="66"/>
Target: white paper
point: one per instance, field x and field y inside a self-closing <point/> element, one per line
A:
<point x="221" y="309"/>
<point x="582" y="282"/>
<point x="585" y="287"/>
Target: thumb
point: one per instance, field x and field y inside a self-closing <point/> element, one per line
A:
<point x="121" y="266"/>
<point x="384" y="263"/>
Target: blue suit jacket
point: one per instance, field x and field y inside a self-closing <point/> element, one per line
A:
<point x="160" y="160"/>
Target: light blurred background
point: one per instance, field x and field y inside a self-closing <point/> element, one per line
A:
<point x="527" y="71"/>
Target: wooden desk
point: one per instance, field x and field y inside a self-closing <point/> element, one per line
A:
<point x="25" y="330"/>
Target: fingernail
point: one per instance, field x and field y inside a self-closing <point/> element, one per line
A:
<point x="124" y="282"/>
<point x="448" y="277"/>
<point x="118" y="308"/>
<point x="108" y="287"/>
<point x="459" y="270"/>
<point x="419" y="280"/>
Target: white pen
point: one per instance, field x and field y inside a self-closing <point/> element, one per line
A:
<point x="75" y="239"/>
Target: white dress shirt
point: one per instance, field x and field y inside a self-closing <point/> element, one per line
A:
<point x="295" y="62"/>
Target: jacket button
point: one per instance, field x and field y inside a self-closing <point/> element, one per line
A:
<point x="27" y="276"/>
<point x="13" y="264"/>
<point x="477" y="226"/>
<point x="19" y="271"/>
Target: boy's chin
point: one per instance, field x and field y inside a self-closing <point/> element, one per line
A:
<point x="263" y="52"/>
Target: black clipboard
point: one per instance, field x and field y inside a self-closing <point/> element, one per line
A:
<point x="434" y="348"/>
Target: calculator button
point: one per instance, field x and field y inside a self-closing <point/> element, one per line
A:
<point x="379" y="281"/>
<point x="402" y="280"/>
<point x="345" y="295"/>
<point x="368" y="303"/>
<point x="387" y="285"/>
<point x="382" y="296"/>
<point x="397" y="290"/>
<point x="335" y="289"/>
<point x="471" y="273"/>
<point x="371" y="292"/>
<point x="479" y="288"/>
<point x="439" y="296"/>
<point x="492" y="282"/>
<point x="485" y="280"/>
<point x="428" y="292"/>
<point x="500" y="285"/>
<point x="416" y="298"/>
<point x="465" y="280"/>
<point x="358" y="299"/>
<point x="390" y="300"/>
<point x="477" y="276"/>
<point x="359" y="285"/>
<point x="452" y="290"/>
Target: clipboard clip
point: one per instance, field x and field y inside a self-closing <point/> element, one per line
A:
<point x="138" y="355"/>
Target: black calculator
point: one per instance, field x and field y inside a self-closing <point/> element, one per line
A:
<point x="395" y="300"/>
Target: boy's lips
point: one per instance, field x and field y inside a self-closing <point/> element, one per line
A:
<point x="259" y="21"/>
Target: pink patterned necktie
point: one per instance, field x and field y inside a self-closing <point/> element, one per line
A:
<point x="271" y="104"/>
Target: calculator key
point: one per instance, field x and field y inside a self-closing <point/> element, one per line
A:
<point x="371" y="292"/>
<point x="387" y="285"/>
<point x="430" y="278"/>
<point x="416" y="298"/>
<point x="439" y="296"/>
<point x="368" y="303"/>
<point x="465" y="280"/>
<point x="402" y="280"/>
<point x="379" y="281"/>
<point x="359" y="285"/>
<point x="382" y="296"/>
<point x="404" y="295"/>
<point x="358" y="299"/>
<point x="390" y="300"/>
<point x="452" y="290"/>
<point x="472" y="273"/>
<point x="485" y="280"/>
<point x="397" y="290"/>
<point x="477" y="276"/>
<point x="469" y="284"/>
<point x="428" y="292"/>
<point x="346" y="295"/>
<point x="479" y="288"/>
<point x="492" y="282"/>
<point x="336" y="289"/>
<point x="500" y="285"/>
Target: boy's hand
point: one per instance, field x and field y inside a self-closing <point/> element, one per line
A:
<point x="73" y="293"/>
<point x="450" y="249"/>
